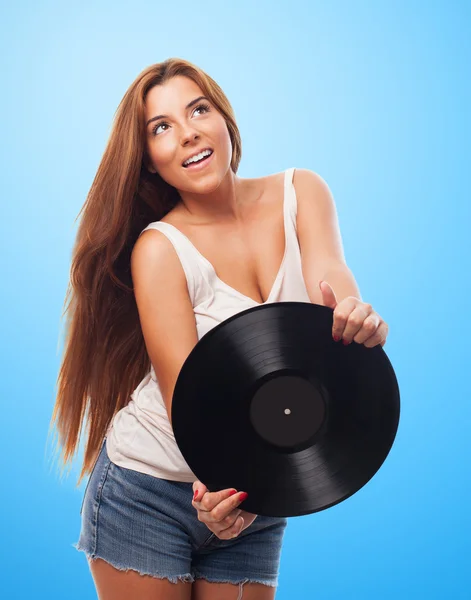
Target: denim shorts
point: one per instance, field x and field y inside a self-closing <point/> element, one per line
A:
<point x="139" y="522"/>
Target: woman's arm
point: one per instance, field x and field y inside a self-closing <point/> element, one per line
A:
<point x="319" y="238"/>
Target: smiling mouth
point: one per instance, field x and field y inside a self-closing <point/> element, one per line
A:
<point x="198" y="162"/>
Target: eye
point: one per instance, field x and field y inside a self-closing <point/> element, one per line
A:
<point x="154" y="131"/>
<point x="203" y="106"/>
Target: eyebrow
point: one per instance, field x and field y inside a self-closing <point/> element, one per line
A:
<point x="189" y="105"/>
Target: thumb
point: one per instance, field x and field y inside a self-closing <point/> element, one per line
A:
<point x="328" y="294"/>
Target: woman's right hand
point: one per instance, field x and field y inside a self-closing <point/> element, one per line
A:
<point x="219" y="511"/>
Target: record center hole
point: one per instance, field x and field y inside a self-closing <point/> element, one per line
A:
<point x="287" y="411"/>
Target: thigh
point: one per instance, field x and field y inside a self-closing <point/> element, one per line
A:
<point x="204" y="590"/>
<point x="113" y="584"/>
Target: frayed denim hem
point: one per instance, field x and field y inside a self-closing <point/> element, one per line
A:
<point x="186" y="577"/>
<point x="270" y="583"/>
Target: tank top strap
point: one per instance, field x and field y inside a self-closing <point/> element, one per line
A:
<point x="184" y="250"/>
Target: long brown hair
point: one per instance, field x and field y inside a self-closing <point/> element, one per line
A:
<point x="104" y="356"/>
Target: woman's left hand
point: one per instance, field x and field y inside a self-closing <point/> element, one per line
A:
<point x="354" y="320"/>
<point x="220" y="520"/>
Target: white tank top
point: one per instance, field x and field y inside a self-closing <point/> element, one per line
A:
<point x="140" y="436"/>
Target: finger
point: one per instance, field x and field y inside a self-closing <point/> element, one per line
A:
<point x="340" y="319"/>
<point x="368" y="328"/>
<point x="355" y="322"/>
<point x="232" y="531"/>
<point x="199" y="489"/>
<point x="208" y="500"/>
<point x="341" y="314"/>
<point x="218" y="526"/>
<point x="225" y="507"/>
<point x="229" y="521"/>
<point x="379" y="337"/>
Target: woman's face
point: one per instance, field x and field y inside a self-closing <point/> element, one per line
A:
<point x="184" y="132"/>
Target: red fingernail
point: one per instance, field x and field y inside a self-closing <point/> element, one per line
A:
<point x="345" y="342"/>
<point x="243" y="496"/>
<point x="195" y="496"/>
<point x="232" y="492"/>
<point x="336" y="338"/>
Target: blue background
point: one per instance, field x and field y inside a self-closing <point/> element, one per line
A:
<point x="373" y="96"/>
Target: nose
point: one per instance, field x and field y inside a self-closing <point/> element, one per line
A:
<point x="189" y="135"/>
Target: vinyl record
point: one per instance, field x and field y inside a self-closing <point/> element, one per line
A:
<point x="269" y="404"/>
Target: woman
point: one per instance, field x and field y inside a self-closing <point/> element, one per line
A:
<point x="171" y="243"/>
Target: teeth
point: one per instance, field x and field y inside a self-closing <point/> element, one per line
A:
<point x="198" y="157"/>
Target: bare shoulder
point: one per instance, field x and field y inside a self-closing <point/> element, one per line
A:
<point x="314" y="200"/>
<point x="309" y="184"/>
<point x="152" y="244"/>
<point x="154" y="256"/>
